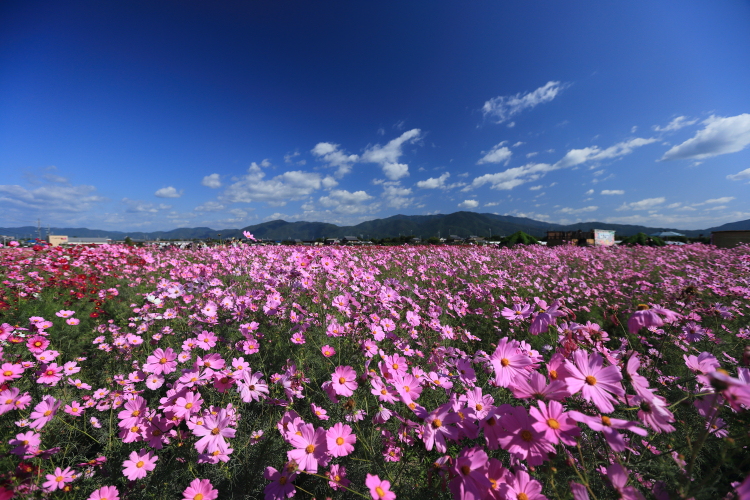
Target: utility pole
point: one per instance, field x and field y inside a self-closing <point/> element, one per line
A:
<point x="39" y="229"/>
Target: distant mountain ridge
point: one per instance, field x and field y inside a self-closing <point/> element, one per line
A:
<point x="424" y="226"/>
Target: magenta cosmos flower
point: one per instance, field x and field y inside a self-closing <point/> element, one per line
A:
<point x="344" y="381"/>
<point x="44" y="412"/>
<point x="522" y="486"/>
<point x="470" y="480"/>
<point x="200" y="489"/>
<point x="281" y="486"/>
<point x="105" y="493"/>
<point x="139" y="465"/>
<point x="646" y="317"/>
<point x="597" y="384"/>
<point x="161" y="362"/>
<point x="340" y="440"/>
<point x="379" y="489"/>
<point x="213" y="431"/>
<point x="508" y="363"/>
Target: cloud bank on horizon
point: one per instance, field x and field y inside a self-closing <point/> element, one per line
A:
<point x="295" y="115"/>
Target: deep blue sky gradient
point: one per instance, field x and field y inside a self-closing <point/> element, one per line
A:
<point x="102" y="104"/>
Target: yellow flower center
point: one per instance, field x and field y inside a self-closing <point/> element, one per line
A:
<point x="522" y="496"/>
<point x="215" y="431"/>
<point x="554" y="424"/>
<point x="163" y="360"/>
<point x="59" y="478"/>
<point x="140" y="464"/>
<point x="436" y="424"/>
<point x="188" y="406"/>
<point x="342" y="380"/>
<point x="553" y="374"/>
<point x="591" y="380"/>
<point x="339" y="440"/>
<point x="48" y="413"/>
<point x="466" y="470"/>
<point x="199" y="496"/>
<point x="310" y="448"/>
<point x="504" y="362"/>
<point x="643" y="307"/>
<point x="606" y="421"/>
<point x="7" y="373"/>
<point x="379" y="491"/>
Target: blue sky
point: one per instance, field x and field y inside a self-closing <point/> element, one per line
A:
<point x="154" y="115"/>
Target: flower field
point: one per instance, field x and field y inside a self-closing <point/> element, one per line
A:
<point x="381" y="372"/>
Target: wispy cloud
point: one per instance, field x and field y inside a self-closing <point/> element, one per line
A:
<point x="388" y="156"/>
<point x="498" y="154"/>
<point x="645" y="204"/>
<point x="721" y="135"/>
<point x="500" y="109"/>
<point x="168" y="192"/>
<point x="608" y="192"/>
<point x="676" y="124"/>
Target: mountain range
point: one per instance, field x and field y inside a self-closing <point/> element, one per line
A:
<point x="459" y="223"/>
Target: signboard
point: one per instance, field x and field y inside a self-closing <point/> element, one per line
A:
<point x="604" y="238"/>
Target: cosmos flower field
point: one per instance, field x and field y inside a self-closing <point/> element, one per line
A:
<point x="383" y="372"/>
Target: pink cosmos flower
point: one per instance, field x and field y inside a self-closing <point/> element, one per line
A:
<point x="618" y="476"/>
<point x="200" y="489"/>
<point x="74" y="409"/>
<point x="37" y="344"/>
<point x="252" y="387"/>
<point x="519" y="312"/>
<point x="508" y="363"/>
<point x="470" y="480"/>
<point x="74" y="322"/>
<point x="344" y="381"/>
<point x="282" y="486"/>
<point x="26" y="444"/>
<point x="64" y="314"/>
<point x="654" y="412"/>
<point x="319" y="412"/>
<point x="379" y="489"/>
<point x="543" y="320"/>
<point x="213" y="431"/>
<point x="10" y="371"/>
<point x="139" y="465"/>
<point x="44" y="412"/>
<point x="161" y="361"/>
<point x="105" y="493"/>
<point x="521" y="439"/>
<point x="554" y="423"/>
<point x="608" y="426"/>
<point x="50" y="374"/>
<point x="340" y="440"/>
<point x="327" y="351"/>
<point x="537" y="387"/>
<point x="337" y="477"/>
<point x="437" y="426"/>
<point x="646" y="317"/>
<point x="58" y="479"/>
<point x="596" y="384"/>
<point x="521" y="485"/>
<point x="311" y="447"/>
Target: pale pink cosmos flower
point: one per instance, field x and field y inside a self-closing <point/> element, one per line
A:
<point x="161" y="361"/>
<point x="618" y="476"/>
<point x="252" y="387"/>
<point x="50" y="375"/>
<point x="608" y="426"/>
<point x="200" y="489"/>
<point x="26" y="444"/>
<point x="522" y="486"/>
<point x="311" y="447"/>
<point x="508" y="363"/>
<point x="337" y="477"/>
<point x="58" y="479"/>
<point x="340" y="440"/>
<point x="537" y="387"/>
<point x="646" y="317"/>
<point x="139" y="464"/>
<point x="654" y="412"/>
<point x="379" y="489"/>
<point x="105" y="493"/>
<point x="37" y="344"/>
<point x="438" y="426"/>
<point x="344" y="381"/>
<point x="519" y="312"/>
<point x="74" y="322"/>
<point x="327" y="351"/>
<point x="64" y="314"/>
<point x="44" y="412"/>
<point x="597" y="384"/>
<point x="319" y="412"/>
<point x="213" y="431"/>
<point x="74" y="409"/>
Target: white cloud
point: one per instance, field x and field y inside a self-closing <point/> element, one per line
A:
<point x="168" y="192"/>
<point x="532" y="154"/>
<point x="331" y="154"/>
<point x="536" y="188"/>
<point x="387" y="156"/>
<point x="329" y="182"/>
<point x="343" y="201"/>
<point x="397" y="196"/>
<point x="50" y="198"/>
<point x="589" y="192"/>
<point x="512" y="177"/>
<point x="210" y="206"/>
<point x="138" y="206"/>
<point x="519" y="143"/>
<point x="716" y="201"/>
<point x="468" y="204"/>
<point x="676" y="124"/>
<point x="719" y="136"/>
<point x="578" y="210"/>
<point x="501" y="108"/>
<point x="612" y="191"/>
<point x="642" y="205"/>
<point x="289" y="186"/>
<point x="740" y="176"/>
<point x="498" y="154"/>
<point x="212" y="181"/>
<point x="434" y="182"/>
<point x="289" y="159"/>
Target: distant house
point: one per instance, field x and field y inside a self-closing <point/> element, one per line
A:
<point x="453" y="238"/>
<point x="332" y="241"/>
<point x="475" y="239"/>
<point x="57" y="240"/>
<point x="415" y="241"/>
<point x="730" y="239"/>
<point x="594" y="237"/>
<point x="352" y="240"/>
